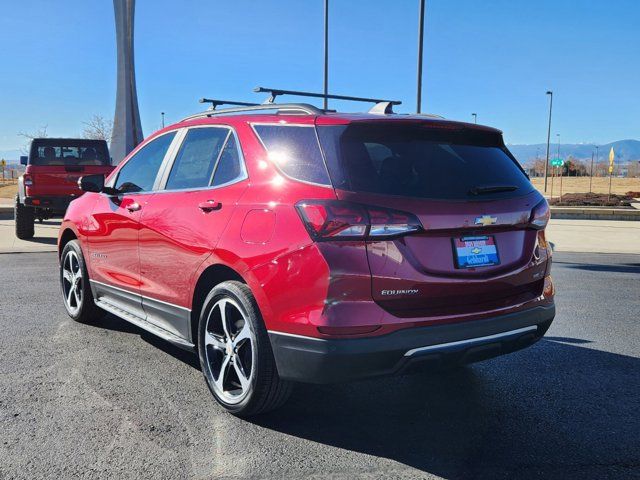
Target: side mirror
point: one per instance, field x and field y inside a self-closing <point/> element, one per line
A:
<point x="91" y="183"/>
<point x="24" y="159"/>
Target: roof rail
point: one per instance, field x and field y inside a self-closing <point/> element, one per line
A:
<point x="216" y="103"/>
<point x="294" y="108"/>
<point x="382" y="106"/>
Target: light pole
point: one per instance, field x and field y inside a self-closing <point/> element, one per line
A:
<point x="420" y="44"/>
<point x="475" y="117"/>
<point x="162" y="113"/>
<point x="325" y="102"/>
<point x="597" y="158"/>
<point x="546" y="164"/>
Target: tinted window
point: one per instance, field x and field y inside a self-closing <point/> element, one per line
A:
<point x="52" y="152"/>
<point x="295" y="151"/>
<point x="418" y="161"/>
<point x="140" y="171"/>
<point x="229" y="167"/>
<point x="194" y="164"/>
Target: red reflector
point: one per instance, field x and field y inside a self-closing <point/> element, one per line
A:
<point x="348" y="330"/>
<point x="35" y="201"/>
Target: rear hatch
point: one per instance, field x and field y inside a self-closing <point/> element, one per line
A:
<point x="55" y="165"/>
<point x="477" y="249"/>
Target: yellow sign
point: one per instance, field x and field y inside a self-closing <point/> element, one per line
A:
<point x="3" y="162"/>
<point x="612" y="156"/>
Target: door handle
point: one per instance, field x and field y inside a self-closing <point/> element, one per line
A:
<point x="209" y="206"/>
<point x="133" y="207"/>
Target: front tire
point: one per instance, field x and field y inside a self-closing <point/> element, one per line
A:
<point x="235" y="353"/>
<point x="24" y="218"/>
<point x="75" y="287"/>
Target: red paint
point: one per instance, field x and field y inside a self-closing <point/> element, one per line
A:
<point x="303" y="286"/>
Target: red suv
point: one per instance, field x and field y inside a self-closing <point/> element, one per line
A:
<point x="50" y="180"/>
<point x="285" y="243"/>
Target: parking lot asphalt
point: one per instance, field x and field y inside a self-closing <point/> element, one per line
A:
<point x="110" y="401"/>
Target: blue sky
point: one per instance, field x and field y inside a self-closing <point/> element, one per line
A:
<point x="496" y="58"/>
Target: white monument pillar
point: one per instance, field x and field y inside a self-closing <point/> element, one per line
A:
<point x="127" y="131"/>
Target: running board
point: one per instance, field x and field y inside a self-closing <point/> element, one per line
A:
<point x="145" y="325"/>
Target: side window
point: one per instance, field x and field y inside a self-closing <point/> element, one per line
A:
<point x="140" y="171"/>
<point x="229" y="166"/>
<point x="295" y="150"/>
<point x="194" y="164"/>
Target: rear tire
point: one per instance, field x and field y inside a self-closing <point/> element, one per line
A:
<point x="75" y="286"/>
<point x="235" y="353"/>
<point x="24" y="218"/>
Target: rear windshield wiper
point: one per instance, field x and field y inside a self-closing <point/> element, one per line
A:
<point x="484" y="189"/>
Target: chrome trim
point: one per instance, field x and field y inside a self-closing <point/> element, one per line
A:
<point x="166" y="172"/>
<point x="274" y="332"/>
<point x="141" y="296"/>
<point x="167" y="162"/>
<point x="488" y="338"/>
<point x="276" y="124"/>
<point x="145" y="325"/>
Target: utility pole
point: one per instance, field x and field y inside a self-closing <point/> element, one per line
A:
<point x="162" y="113"/>
<point x="325" y="102"/>
<point x="546" y="164"/>
<point x="420" y="46"/>
<point x="597" y="158"/>
<point x="475" y="117"/>
<point x="591" y="174"/>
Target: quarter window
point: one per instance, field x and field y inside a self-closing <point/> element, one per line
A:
<point x="295" y="150"/>
<point x="196" y="160"/>
<point x="229" y="167"/>
<point x="141" y="170"/>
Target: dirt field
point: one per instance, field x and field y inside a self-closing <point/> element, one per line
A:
<point x="581" y="185"/>
<point x="8" y="191"/>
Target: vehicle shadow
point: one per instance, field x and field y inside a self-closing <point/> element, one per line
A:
<point x="555" y="409"/>
<point x="111" y="322"/>
<point x="617" y="268"/>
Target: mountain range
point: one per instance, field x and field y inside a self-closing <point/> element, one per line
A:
<point x="625" y="150"/>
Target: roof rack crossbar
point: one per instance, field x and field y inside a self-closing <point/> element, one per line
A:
<point x="216" y="103"/>
<point x="303" y="108"/>
<point x="274" y="92"/>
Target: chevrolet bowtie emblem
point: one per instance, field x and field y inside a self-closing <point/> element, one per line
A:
<point x="486" y="220"/>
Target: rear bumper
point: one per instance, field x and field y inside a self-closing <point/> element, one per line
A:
<point x="57" y="204"/>
<point x="311" y="360"/>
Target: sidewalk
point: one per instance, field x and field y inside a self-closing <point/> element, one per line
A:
<point x="594" y="236"/>
<point x="44" y="241"/>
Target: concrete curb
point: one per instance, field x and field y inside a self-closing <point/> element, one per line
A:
<point x="594" y="213"/>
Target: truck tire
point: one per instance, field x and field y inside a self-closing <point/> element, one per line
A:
<point x="24" y="217"/>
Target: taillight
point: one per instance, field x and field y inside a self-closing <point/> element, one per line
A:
<point x="540" y="215"/>
<point x="28" y="181"/>
<point x="338" y="220"/>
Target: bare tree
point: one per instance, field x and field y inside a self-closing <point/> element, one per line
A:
<point x="29" y="136"/>
<point x="97" y="128"/>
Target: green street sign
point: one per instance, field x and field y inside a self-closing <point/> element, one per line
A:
<point x="557" y="162"/>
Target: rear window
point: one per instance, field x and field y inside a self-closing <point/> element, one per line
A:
<point x="52" y="152"/>
<point x="295" y="150"/>
<point x="418" y="161"/>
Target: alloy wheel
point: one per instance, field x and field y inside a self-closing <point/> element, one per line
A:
<point x="72" y="282"/>
<point x="229" y="350"/>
